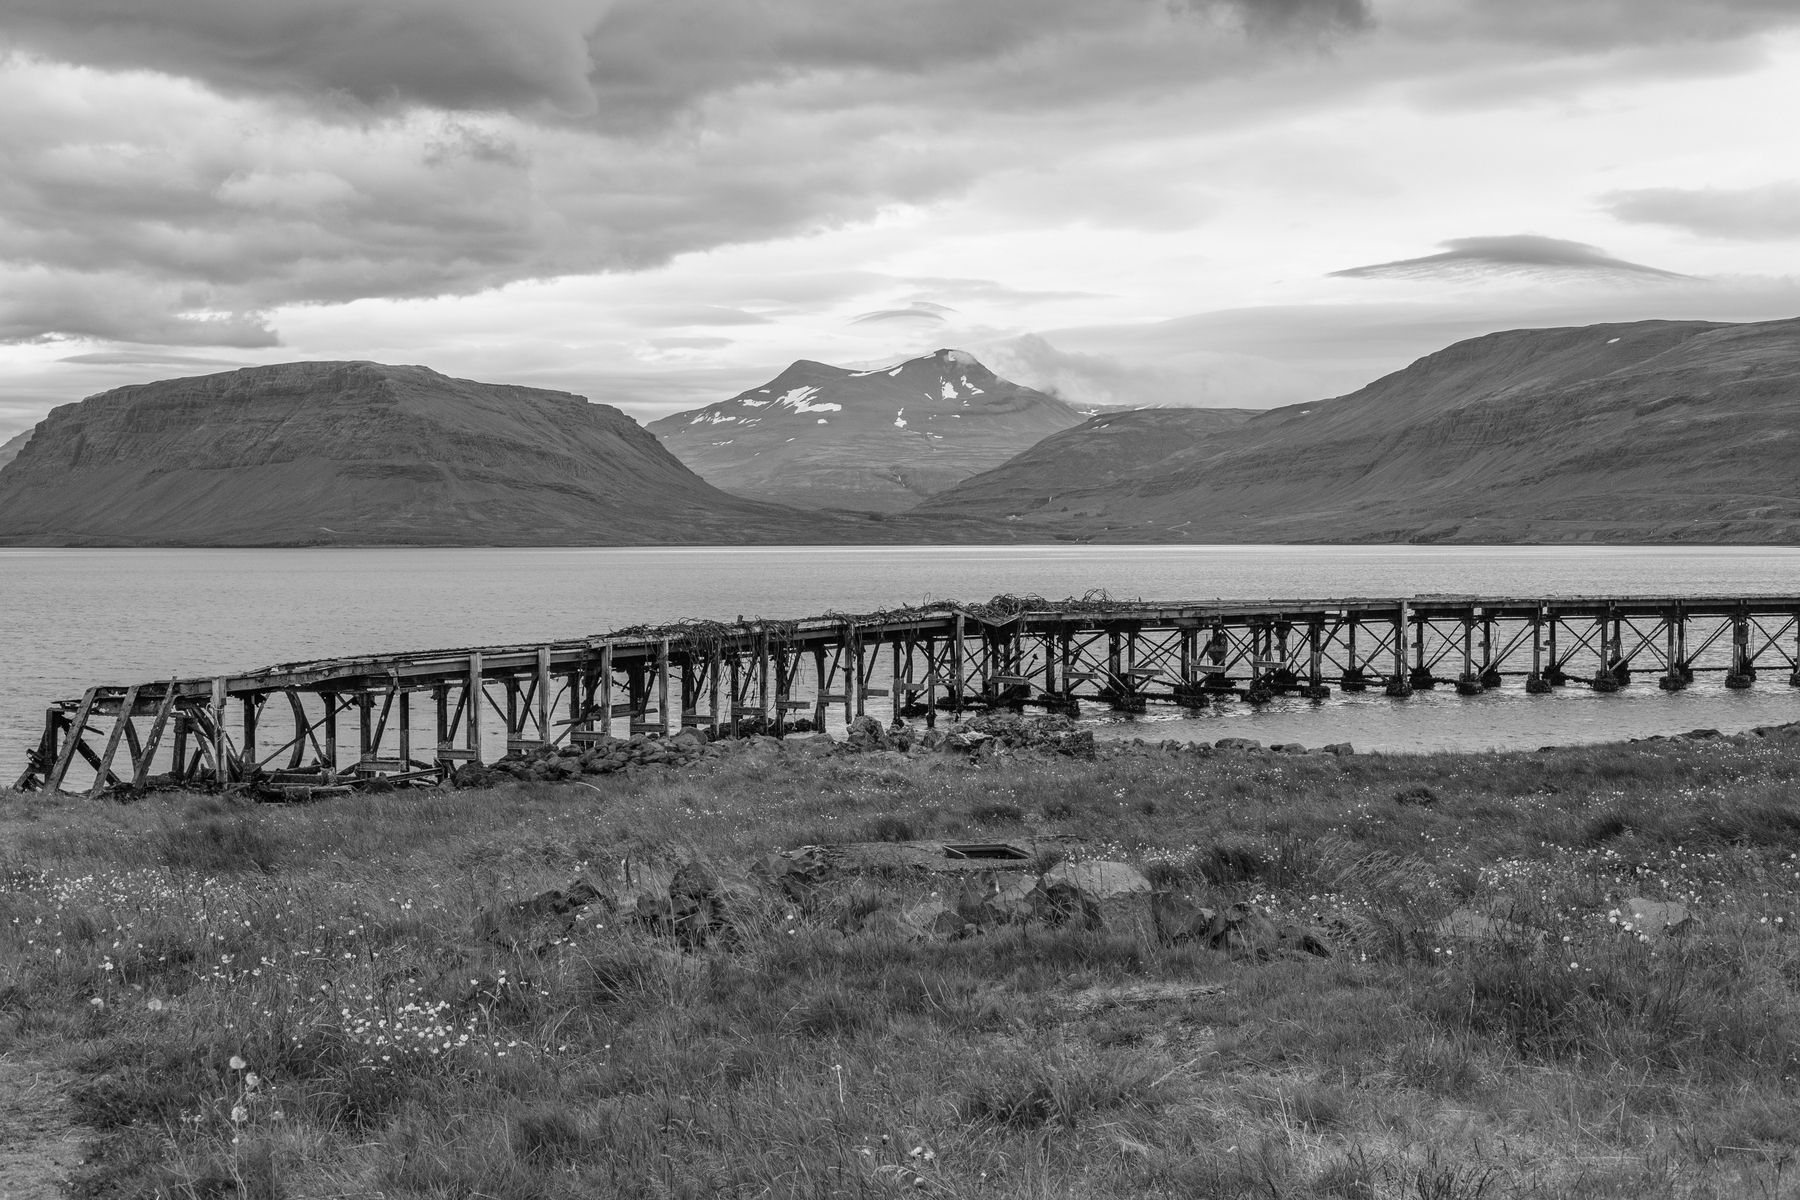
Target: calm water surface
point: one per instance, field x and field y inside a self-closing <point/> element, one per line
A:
<point x="73" y="618"/>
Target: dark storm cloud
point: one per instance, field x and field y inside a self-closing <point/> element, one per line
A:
<point x="1512" y="255"/>
<point x="37" y="305"/>
<point x="331" y="150"/>
<point x="1767" y="213"/>
<point x="461" y="54"/>
<point x="615" y="60"/>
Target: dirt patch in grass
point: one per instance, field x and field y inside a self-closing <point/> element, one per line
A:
<point x="39" y="1143"/>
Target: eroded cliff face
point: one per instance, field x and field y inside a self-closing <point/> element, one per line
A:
<point x="1655" y="431"/>
<point x="359" y="452"/>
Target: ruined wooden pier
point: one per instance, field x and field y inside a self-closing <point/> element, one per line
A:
<point x="417" y="716"/>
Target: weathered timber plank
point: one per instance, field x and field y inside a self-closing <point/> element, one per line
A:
<point x="77" y="726"/>
<point x="121" y="723"/>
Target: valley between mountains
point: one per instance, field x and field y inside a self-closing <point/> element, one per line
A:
<point x="1648" y="432"/>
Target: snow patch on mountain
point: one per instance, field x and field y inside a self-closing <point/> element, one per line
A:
<point x="798" y="397"/>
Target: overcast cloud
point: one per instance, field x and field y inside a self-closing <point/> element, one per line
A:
<point x="663" y="196"/>
<point x="1770" y="212"/>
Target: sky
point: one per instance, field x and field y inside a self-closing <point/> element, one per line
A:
<point x="660" y="203"/>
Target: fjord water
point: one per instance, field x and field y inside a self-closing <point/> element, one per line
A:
<point x="70" y="619"/>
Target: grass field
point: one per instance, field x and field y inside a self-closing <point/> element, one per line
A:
<point x="290" y="1001"/>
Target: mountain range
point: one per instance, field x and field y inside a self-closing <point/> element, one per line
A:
<point x="822" y="437"/>
<point x="1653" y="431"/>
<point x="363" y="453"/>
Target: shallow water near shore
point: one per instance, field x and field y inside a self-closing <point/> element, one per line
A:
<point x="70" y="619"/>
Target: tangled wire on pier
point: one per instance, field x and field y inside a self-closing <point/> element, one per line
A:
<point x="996" y="611"/>
<point x="699" y="635"/>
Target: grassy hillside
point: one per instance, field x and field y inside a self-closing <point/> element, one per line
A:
<point x="322" y="453"/>
<point x="1656" y="431"/>
<point x="312" y="1001"/>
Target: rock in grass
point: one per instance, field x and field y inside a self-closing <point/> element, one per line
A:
<point x="1248" y="745"/>
<point x="796" y="874"/>
<point x="866" y="733"/>
<point x="1178" y="919"/>
<point x="935" y="919"/>
<point x="536" y="924"/>
<point x="1096" y="895"/>
<point x="1654" y="917"/>
<point x="1009" y="902"/>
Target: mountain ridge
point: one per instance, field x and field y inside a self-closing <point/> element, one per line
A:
<point x="366" y="453"/>
<point x="1649" y="431"/>
<point x="880" y="439"/>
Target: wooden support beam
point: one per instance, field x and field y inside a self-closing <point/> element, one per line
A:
<point x="40" y="759"/>
<point x="958" y="681"/>
<point x="718" y="722"/>
<point x="180" y="767"/>
<point x="379" y="737"/>
<point x="77" y="726"/>
<point x="218" y="741"/>
<point x="252" y="712"/>
<point x="896" y="676"/>
<point x="543" y="693"/>
<point x="331" y="731"/>
<point x="662" y="687"/>
<point x="120" y="725"/>
<point x="406" y="727"/>
<point x="303" y="729"/>
<point x="365" y="726"/>
<point x="762" y="671"/>
<point x="604" y="701"/>
<point x="853" y="661"/>
<point x="472" y="693"/>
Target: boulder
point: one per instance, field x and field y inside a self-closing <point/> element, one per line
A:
<point x="866" y="733"/>
<point x="1653" y="917"/>
<point x="1302" y="939"/>
<point x="1237" y="743"/>
<point x="1287" y="748"/>
<point x="1178" y="919"/>
<point x="1009" y="901"/>
<point x="935" y="919"/>
<point x="1341" y="749"/>
<point x="1241" y="929"/>
<point x="1096" y="895"/>
<point x="819" y="745"/>
<point x="796" y="874"/>
<point x="533" y="926"/>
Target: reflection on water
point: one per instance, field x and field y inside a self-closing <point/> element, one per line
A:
<point x="73" y="618"/>
<point x="1501" y="719"/>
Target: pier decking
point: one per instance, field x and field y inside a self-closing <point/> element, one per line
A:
<point x="417" y="716"/>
